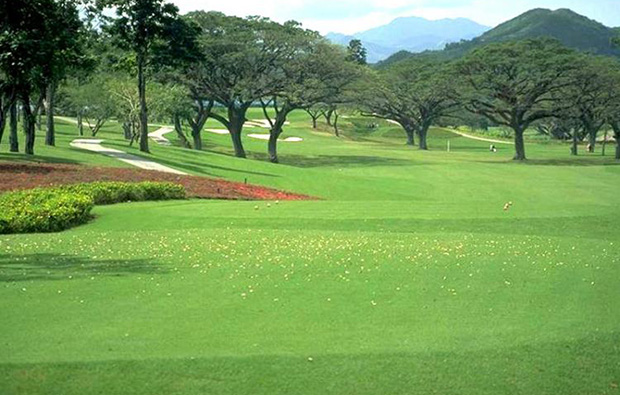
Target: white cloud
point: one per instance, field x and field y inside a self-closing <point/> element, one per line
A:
<point x="351" y="16"/>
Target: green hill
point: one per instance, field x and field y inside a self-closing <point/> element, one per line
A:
<point x="573" y="30"/>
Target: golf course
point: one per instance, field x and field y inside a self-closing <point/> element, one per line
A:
<point x="405" y="271"/>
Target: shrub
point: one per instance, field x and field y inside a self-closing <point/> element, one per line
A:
<point x="118" y="192"/>
<point x="56" y="209"/>
<point x="43" y="210"/>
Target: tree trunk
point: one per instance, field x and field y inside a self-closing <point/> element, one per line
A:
<point x="336" y="130"/>
<point x="422" y="133"/>
<point x="179" y="129"/>
<point x="2" y="119"/>
<point x="236" y="119"/>
<point x="197" y="134"/>
<point x="314" y="123"/>
<point x="575" y="145"/>
<point x="197" y="137"/>
<point x="13" y="140"/>
<point x="616" y="127"/>
<point x="29" y="126"/>
<point x="328" y="117"/>
<point x="50" y="134"/>
<point x="38" y="118"/>
<point x="80" y="123"/>
<point x="410" y="132"/>
<point x="272" y="147"/>
<point x="144" y="122"/>
<point x="592" y="140"/>
<point x="275" y="133"/>
<point x="127" y="130"/>
<point x="519" y="144"/>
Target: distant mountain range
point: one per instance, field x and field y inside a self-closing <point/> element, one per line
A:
<point x="411" y="34"/>
<point x="573" y="30"/>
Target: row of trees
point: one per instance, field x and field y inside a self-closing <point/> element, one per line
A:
<point x="533" y="83"/>
<point x="147" y="61"/>
<point x="39" y="44"/>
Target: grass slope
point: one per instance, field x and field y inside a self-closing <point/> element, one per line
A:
<point x="407" y="278"/>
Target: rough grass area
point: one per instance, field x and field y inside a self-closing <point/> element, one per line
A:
<point x="18" y="176"/>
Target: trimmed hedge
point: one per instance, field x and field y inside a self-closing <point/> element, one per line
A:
<point x="43" y="210"/>
<point x="119" y="192"/>
<point x="56" y="209"/>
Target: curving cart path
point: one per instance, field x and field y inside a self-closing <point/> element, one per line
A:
<point x="95" y="146"/>
<point x="158" y="135"/>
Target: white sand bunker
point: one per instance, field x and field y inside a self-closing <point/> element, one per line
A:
<point x="261" y="123"/>
<point x="95" y="146"/>
<point x="266" y="137"/>
<point x="217" y="131"/>
<point x="158" y="136"/>
<point x="258" y="136"/>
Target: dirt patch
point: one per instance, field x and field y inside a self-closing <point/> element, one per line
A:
<point x="26" y="176"/>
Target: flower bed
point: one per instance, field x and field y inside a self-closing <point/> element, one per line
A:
<point x="18" y="176"/>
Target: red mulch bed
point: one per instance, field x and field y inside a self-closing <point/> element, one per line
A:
<point x="16" y="176"/>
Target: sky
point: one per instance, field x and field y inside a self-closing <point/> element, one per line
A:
<point x="352" y="16"/>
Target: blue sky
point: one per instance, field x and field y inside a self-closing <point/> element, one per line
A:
<point x="351" y="16"/>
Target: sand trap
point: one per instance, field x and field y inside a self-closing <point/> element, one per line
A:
<point x="95" y="146"/>
<point x="258" y="136"/>
<point x="266" y="137"/>
<point x="217" y="131"/>
<point x="158" y="135"/>
<point x="261" y="123"/>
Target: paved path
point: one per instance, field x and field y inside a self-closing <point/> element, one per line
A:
<point x="158" y="135"/>
<point x="469" y="136"/>
<point x="95" y="146"/>
<point x="67" y="119"/>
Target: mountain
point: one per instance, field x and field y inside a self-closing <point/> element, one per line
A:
<point x="375" y="52"/>
<point x="573" y="30"/>
<point x="411" y="34"/>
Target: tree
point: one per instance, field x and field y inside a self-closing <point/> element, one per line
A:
<point x="172" y="102"/>
<point x="613" y="114"/>
<point x="126" y="100"/>
<point x="240" y="58"/>
<point x="415" y="93"/>
<point x="315" y="73"/>
<point x="356" y="52"/>
<point x="315" y="111"/>
<point x="591" y="96"/>
<point x="515" y="84"/>
<point x="89" y="101"/>
<point x="153" y="32"/>
<point x="24" y="52"/>
<point x="64" y="50"/>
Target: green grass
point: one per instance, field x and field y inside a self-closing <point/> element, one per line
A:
<point x="407" y="277"/>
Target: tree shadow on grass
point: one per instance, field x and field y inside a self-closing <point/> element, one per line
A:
<point x="581" y="365"/>
<point x="340" y="160"/>
<point x="23" y="158"/>
<point x="50" y="267"/>
<point x="203" y="167"/>
<point x="575" y="162"/>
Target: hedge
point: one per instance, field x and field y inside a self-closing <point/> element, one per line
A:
<point x="119" y="192"/>
<point x="56" y="209"/>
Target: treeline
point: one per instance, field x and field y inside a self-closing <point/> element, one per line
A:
<point x="536" y="83"/>
<point x="148" y="62"/>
